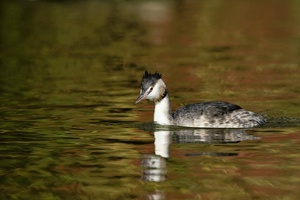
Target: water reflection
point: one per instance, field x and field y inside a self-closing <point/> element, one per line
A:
<point x="155" y="166"/>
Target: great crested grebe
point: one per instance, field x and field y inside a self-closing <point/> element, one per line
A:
<point x="213" y="114"/>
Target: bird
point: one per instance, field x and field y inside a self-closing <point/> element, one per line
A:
<point x="212" y="114"/>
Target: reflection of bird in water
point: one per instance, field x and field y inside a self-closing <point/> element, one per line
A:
<point x="211" y="136"/>
<point x="216" y="114"/>
<point x="155" y="165"/>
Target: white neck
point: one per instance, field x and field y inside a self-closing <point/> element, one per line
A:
<point x="162" y="112"/>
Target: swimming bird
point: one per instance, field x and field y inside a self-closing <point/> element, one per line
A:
<point x="213" y="114"/>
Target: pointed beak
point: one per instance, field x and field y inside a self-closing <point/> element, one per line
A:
<point x="141" y="97"/>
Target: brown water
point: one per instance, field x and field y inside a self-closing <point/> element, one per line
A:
<point x="70" y="74"/>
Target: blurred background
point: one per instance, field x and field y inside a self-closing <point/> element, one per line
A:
<point x="206" y="50"/>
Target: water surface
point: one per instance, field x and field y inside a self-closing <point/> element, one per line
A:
<point x="70" y="73"/>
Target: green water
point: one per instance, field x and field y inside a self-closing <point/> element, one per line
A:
<point x="70" y="74"/>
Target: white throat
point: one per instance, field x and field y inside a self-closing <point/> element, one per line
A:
<point x="162" y="111"/>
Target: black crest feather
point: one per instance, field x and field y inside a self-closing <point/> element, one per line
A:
<point x="149" y="80"/>
<point x="155" y="75"/>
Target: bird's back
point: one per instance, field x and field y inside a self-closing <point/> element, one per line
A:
<point x="216" y="114"/>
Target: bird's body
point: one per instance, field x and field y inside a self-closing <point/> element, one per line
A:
<point x="214" y="114"/>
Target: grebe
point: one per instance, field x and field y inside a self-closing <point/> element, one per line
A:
<point x="214" y="114"/>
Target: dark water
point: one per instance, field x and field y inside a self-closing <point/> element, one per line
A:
<point x="70" y="74"/>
